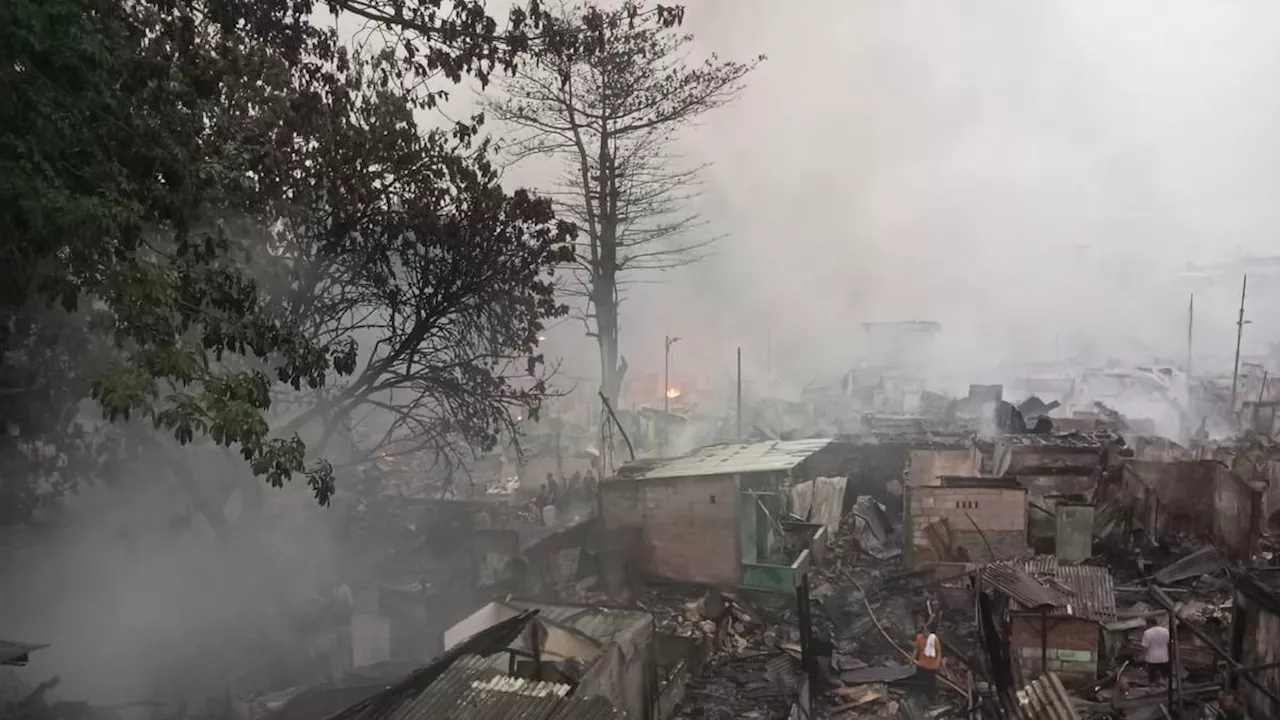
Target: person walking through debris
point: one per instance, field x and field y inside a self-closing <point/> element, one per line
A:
<point x="1155" y="649"/>
<point x="928" y="657"/>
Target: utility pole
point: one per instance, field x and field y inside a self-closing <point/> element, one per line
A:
<point x="1191" y="319"/>
<point x="739" y="393"/>
<point x="1235" y="372"/>
<point x="768" y="350"/>
<point x="667" y="342"/>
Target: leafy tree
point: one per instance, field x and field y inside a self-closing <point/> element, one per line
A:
<point x="109" y="287"/>
<point x="151" y="151"/>
<point x="609" y="104"/>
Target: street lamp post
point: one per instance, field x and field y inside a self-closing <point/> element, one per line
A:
<point x="667" y="342"/>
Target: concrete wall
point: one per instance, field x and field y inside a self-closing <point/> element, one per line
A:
<point x="559" y="644"/>
<point x="1048" y="459"/>
<point x="689" y="526"/>
<point x="1173" y="496"/>
<point x="1073" y="539"/>
<point x="1237" y="516"/>
<point x="1200" y="497"/>
<point x="926" y="466"/>
<point x="627" y="674"/>
<point x="1072" y="647"/>
<point x="1001" y="513"/>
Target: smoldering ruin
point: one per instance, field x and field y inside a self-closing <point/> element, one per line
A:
<point x="762" y="402"/>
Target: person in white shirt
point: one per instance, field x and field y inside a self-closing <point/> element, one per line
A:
<point x="1155" y="652"/>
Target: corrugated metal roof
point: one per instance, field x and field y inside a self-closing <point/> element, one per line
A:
<point x="1083" y="591"/>
<point x="1045" y="699"/>
<point x="726" y="459"/>
<point x="473" y="689"/>
<point x="597" y="623"/>
<point x="1020" y="587"/>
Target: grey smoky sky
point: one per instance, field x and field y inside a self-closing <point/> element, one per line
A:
<point x="1033" y="175"/>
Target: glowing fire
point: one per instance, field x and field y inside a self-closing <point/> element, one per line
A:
<point x="673" y="392"/>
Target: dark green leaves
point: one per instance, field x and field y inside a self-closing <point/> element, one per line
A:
<point x="203" y="203"/>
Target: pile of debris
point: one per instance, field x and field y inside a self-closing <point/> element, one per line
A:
<point x="749" y="656"/>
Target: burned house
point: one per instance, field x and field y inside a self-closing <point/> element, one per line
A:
<point x="1054" y="614"/>
<point x="1200" y="498"/>
<point x="889" y="452"/>
<point x="965" y="519"/>
<point x="716" y="516"/>
<point x="478" y="677"/>
<point x="430" y="562"/>
<point x="609" y="652"/>
<point x="1055" y="468"/>
<point x="1054" y="464"/>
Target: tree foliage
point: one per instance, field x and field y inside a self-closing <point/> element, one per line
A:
<point x="610" y="104"/>
<point x="199" y="201"/>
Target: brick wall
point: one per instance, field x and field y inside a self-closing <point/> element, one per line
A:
<point x="689" y="526"/>
<point x="1001" y="513"/>
<point x="1072" y="647"/>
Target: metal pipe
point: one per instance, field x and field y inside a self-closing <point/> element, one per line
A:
<point x="739" y="394"/>
<point x="631" y="451"/>
<point x="1044" y="642"/>
<point x="1173" y="663"/>
<point x="1235" y="372"/>
<point x="666" y="388"/>
<point x="1191" y="319"/>
<point x="667" y="342"/>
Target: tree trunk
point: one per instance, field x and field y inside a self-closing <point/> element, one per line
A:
<point x="605" y="298"/>
<point x="607" y="339"/>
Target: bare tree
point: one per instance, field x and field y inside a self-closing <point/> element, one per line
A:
<point x="609" y="104"/>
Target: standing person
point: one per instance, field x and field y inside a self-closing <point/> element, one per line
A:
<point x="1155" y="651"/>
<point x="562" y="497"/>
<point x="575" y="487"/>
<point x="541" y="500"/>
<point x="928" y="657"/>
<point x="589" y="486"/>
<point x="553" y="488"/>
